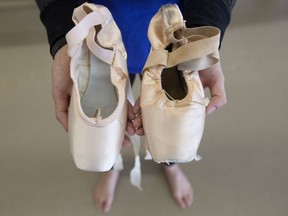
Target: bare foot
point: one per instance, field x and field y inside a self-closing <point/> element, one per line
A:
<point x="180" y="185"/>
<point x="105" y="190"/>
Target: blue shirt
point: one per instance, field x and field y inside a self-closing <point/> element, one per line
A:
<point x="133" y="18"/>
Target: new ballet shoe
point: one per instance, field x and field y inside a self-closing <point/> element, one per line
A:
<point x="172" y="101"/>
<point x="98" y="106"/>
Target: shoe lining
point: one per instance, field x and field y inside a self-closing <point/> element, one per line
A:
<point x="99" y="98"/>
<point x="173" y="82"/>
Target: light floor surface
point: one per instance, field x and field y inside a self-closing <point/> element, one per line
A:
<point x="244" y="167"/>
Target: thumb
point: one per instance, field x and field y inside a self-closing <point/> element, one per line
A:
<point x="215" y="103"/>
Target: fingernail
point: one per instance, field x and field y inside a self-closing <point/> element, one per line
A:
<point x="137" y="114"/>
<point x="211" y="110"/>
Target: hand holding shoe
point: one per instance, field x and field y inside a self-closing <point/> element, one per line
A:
<point x="61" y="85"/>
<point x="213" y="79"/>
<point x="61" y="90"/>
<point x="137" y="121"/>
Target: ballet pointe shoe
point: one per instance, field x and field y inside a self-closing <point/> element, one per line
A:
<point x="98" y="106"/>
<point x="172" y="97"/>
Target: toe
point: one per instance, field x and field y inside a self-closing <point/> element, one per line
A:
<point x="179" y="200"/>
<point x="99" y="203"/>
<point x="106" y="208"/>
<point x="188" y="200"/>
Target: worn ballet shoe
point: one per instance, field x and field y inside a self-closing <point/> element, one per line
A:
<point x="172" y="96"/>
<point x="98" y="107"/>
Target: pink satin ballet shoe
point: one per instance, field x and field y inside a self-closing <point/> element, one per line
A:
<point x="98" y="107"/>
<point x="172" y="97"/>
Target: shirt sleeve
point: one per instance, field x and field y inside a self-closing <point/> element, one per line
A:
<point x="215" y="13"/>
<point x="56" y="16"/>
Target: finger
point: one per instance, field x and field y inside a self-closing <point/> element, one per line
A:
<point x="62" y="117"/>
<point x="131" y="115"/>
<point x="210" y="110"/>
<point x="130" y="128"/>
<point x="137" y="123"/>
<point x="61" y="109"/>
<point x="140" y="131"/>
<point x="137" y="108"/>
<point x="218" y="97"/>
<point x="216" y="102"/>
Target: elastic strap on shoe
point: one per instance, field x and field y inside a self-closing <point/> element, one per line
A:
<point x="83" y="29"/>
<point x="195" y="55"/>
